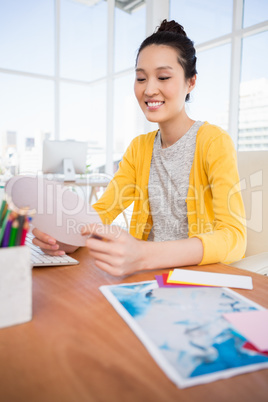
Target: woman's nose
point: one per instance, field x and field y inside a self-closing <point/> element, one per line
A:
<point x="151" y="88"/>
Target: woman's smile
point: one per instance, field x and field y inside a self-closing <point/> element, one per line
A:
<point x="154" y="105"/>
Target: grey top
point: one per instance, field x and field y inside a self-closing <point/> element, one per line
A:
<point x="168" y="186"/>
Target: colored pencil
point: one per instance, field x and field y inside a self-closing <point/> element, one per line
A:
<point x="2" y="210"/>
<point x="21" y="219"/>
<point x="3" y="227"/>
<point x="7" y="231"/>
<point x="13" y="233"/>
<point x="4" y="214"/>
<point x="24" y="232"/>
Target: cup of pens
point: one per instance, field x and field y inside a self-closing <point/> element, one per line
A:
<point x="15" y="266"/>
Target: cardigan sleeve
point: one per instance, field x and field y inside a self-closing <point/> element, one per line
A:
<point x="226" y="242"/>
<point x="121" y="189"/>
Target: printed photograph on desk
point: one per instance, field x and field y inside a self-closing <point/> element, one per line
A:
<point x="185" y="331"/>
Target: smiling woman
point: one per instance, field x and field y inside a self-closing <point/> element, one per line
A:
<point x="184" y="160"/>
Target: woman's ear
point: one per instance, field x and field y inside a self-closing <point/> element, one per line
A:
<point x="191" y="83"/>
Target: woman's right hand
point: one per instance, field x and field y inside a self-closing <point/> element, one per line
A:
<point x="49" y="245"/>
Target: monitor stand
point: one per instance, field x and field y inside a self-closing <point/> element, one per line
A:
<point x="68" y="170"/>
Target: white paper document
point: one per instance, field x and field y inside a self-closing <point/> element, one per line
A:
<point x="210" y="279"/>
<point x="56" y="210"/>
<point x="185" y="331"/>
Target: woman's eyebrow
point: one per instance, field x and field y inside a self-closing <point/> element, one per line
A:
<point x="165" y="68"/>
<point x="158" y="68"/>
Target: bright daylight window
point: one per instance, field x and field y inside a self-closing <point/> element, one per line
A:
<point x="56" y="80"/>
<point x="53" y="77"/>
<point x="253" y="108"/>
<point x="26" y="90"/>
<point x="83" y="68"/>
<point x="128" y="118"/>
<point x="209" y="24"/>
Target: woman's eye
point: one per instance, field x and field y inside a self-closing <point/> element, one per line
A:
<point x="140" y="79"/>
<point x="164" y="78"/>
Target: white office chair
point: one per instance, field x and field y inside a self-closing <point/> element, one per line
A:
<point x="253" y="170"/>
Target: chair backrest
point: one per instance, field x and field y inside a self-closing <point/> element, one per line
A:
<point x="253" y="171"/>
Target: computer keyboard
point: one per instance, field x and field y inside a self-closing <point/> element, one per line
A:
<point x="40" y="259"/>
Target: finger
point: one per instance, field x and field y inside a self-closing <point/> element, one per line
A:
<point x="44" y="246"/>
<point x="53" y="253"/>
<point x="45" y="238"/>
<point x="44" y="243"/>
<point x="108" y="232"/>
<point x="88" y="229"/>
<point x="100" y="245"/>
<point x="104" y="258"/>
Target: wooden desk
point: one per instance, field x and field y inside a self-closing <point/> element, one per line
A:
<point x="77" y="348"/>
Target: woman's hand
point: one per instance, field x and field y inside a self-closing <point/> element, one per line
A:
<point x="118" y="253"/>
<point x="114" y="250"/>
<point x="49" y="245"/>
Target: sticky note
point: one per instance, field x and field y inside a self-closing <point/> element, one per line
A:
<point x="253" y="325"/>
<point x="210" y="279"/>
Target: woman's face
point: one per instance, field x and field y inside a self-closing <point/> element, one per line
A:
<point x="160" y="84"/>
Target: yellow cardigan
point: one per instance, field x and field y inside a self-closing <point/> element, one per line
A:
<point x="215" y="208"/>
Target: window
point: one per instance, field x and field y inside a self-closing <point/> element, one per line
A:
<point x="210" y="98"/>
<point x="54" y="78"/>
<point x="255" y="11"/>
<point x="232" y="84"/>
<point x="83" y="46"/>
<point x="27" y="118"/>
<point x="127" y="121"/>
<point x="128" y="118"/>
<point x="57" y="81"/>
<point x="253" y="106"/>
<point x="129" y="33"/>
<point x="203" y="20"/>
<point x="27" y="35"/>
<point x="83" y="118"/>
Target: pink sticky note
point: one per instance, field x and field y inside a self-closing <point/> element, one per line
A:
<point x="253" y="325"/>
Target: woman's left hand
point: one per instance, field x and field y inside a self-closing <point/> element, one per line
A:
<point x="114" y="250"/>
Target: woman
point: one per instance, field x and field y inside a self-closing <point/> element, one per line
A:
<point x="182" y="178"/>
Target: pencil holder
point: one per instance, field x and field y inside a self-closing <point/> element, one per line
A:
<point x="15" y="286"/>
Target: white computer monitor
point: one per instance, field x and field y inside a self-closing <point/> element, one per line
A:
<point x="65" y="157"/>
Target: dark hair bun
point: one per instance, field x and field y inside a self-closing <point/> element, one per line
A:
<point x="171" y="26"/>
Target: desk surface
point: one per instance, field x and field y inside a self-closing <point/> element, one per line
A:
<point x="77" y="348"/>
